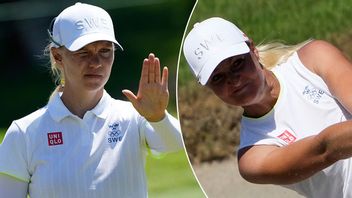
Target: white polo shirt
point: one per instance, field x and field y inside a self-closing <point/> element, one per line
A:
<point x="102" y="155"/>
<point x="304" y="108"/>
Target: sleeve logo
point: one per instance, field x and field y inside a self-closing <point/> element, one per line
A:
<point x="55" y="138"/>
<point x="287" y="137"/>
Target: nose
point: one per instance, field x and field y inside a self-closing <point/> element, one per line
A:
<point x="94" y="61"/>
<point x="233" y="79"/>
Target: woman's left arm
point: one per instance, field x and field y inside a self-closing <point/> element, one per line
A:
<point x="163" y="132"/>
<point x="163" y="136"/>
<point x="332" y="66"/>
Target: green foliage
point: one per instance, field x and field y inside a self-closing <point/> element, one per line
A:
<point x="2" y="134"/>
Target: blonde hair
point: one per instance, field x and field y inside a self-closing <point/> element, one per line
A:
<point x="274" y="53"/>
<point x="58" y="76"/>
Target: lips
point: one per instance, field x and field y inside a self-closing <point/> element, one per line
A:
<point x="238" y="89"/>
<point x="93" y="76"/>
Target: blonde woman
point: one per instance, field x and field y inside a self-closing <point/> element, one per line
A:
<point x="84" y="143"/>
<point x="296" y="129"/>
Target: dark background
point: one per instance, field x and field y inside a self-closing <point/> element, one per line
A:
<point x="141" y="27"/>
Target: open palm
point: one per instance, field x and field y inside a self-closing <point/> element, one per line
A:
<point x="153" y="95"/>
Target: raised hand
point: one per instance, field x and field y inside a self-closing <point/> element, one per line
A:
<point x="153" y="94"/>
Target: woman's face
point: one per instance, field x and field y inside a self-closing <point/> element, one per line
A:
<point x="88" y="68"/>
<point x="238" y="80"/>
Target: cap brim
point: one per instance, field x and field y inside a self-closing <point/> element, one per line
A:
<point x="218" y="56"/>
<point x="90" y="38"/>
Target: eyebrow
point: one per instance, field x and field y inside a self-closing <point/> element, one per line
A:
<point x="229" y="59"/>
<point x="104" y="45"/>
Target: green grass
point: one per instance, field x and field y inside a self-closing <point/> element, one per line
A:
<point x="171" y="177"/>
<point x="290" y="21"/>
<point x="168" y="177"/>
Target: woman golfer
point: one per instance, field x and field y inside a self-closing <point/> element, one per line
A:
<point x="84" y="143"/>
<point x="296" y="129"/>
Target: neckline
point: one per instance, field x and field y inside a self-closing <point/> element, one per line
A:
<point x="277" y="103"/>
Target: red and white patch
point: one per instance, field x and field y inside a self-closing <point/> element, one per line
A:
<point x="287" y="137"/>
<point x="55" y="138"/>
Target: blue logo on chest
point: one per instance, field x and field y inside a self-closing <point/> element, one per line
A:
<point x="115" y="134"/>
<point x="313" y="94"/>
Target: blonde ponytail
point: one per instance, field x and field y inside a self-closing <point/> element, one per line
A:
<point x="272" y="54"/>
<point x="56" y="73"/>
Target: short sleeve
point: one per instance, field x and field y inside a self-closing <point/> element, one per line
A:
<point x="13" y="154"/>
<point x="251" y="138"/>
<point x="258" y="134"/>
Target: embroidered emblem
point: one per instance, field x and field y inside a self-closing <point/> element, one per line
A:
<point x="55" y="138"/>
<point x="115" y="134"/>
<point x="287" y="137"/>
<point x="313" y="94"/>
<point x="206" y="44"/>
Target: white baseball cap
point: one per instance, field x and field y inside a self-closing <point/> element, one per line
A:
<point x="81" y="24"/>
<point x="210" y="42"/>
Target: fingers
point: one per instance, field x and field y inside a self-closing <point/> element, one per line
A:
<point x="157" y="70"/>
<point x="151" y="70"/>
<point x="151" y="60"/>
<point x="165" y="78"/>
<point x="145" y="72"/>
<point x="130" y="96"/>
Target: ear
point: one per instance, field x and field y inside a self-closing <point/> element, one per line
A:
<point x="253" y="48"/>
<point x="57" y="55"/>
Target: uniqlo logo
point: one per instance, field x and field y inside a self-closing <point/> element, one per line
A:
<point x="287" y="137"/>
<point x="55" y="138"/>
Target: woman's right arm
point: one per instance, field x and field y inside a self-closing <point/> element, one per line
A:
<point x="14" y="175"/>
<point x="298" y="161"/>
<point x="11" y="187"/>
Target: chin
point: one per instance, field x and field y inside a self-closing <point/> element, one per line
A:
<point x="242" y="100"/>
<point x="94" y="86"/>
